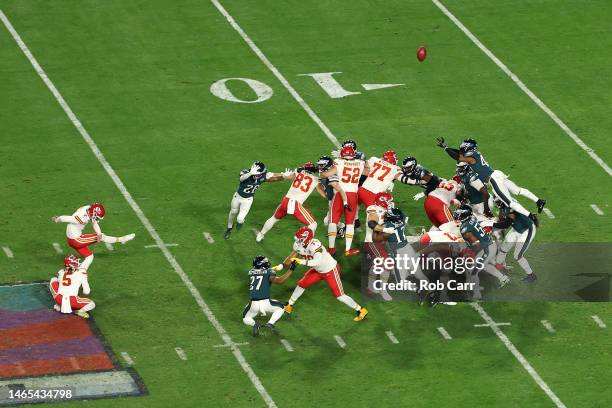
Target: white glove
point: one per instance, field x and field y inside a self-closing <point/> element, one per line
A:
<point x="418" y="196"/>
<point x="278" y="267"/>
<point x="254" y="169"/>
<point x="335" y="154"/>
<point x="287" y="173"/>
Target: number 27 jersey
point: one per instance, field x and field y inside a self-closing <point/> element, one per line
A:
<point x="349" y="172"/>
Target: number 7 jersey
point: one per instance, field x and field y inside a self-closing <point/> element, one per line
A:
<point x="349" y="172"/>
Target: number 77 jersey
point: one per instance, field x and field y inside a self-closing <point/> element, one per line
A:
<point x="379" y="179"/>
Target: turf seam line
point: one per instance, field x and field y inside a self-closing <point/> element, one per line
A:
<point x="444" y="333"/>
<point x="157" y="246"/>
<point x="109" y="246"/>
<point x="276" y="73"/>
<point x="57" y="248"/>
<point x="208" y="237"/>
<point x="517" y="354"/>
<point x="392" y="337"/>
<point x="287" y="345"/>
<point x="548" y="326"/>
<point x="597" y="210"/>
<point x="549" y="214"/>
<point x="126" y="357"/>
<point x="598" y="321"/>
<point x="340" y="341"/>
<point x="8" y="252"/>
<point x="195" y="293"/>
<point x="526" y="90"/>
<point x="181" y="353"/>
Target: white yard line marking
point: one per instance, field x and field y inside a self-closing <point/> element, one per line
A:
<point x="287" y="345"/>
<point x="374" y="87"/>
<point x="57" y="248"/>
<point x="444" y="333"/>
<point x="597" y="209"/>
<point x="598" y="321"/>
<point x="276" y="73"/>
<point x="108" y="246"/>
<point x="392" y="337"/>
<point x="517" y="354"/>
<point x="157" y="245"/>
<point x="195" y="293"/>
<point x="8" y="252"/>
<point x="340" y="341"/>
<point x="181" y="353"/>
<point x="549" y="213"/>
<point x="489" y="325"/>
<point x="231" y="345"/>
<point x="126" y="357"/>
<point x="524" y="88"/>
<point x="548" y="326"/>
<point x="208" y="237"/>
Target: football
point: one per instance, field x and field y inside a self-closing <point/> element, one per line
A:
<point x="421" y="54"/>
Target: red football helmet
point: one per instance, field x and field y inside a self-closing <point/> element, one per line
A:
<point x="384" y="200"/>
<point x="71" y="262"/>
<point x="390" y="157"/>
<point x="310" y="167"/>
<point x="96" y="211"/>
<point x="457" y="179"/>
<point x="303" y="236"/>
<point x="347" y="152"/>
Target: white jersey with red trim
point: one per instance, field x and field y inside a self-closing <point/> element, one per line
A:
<point x="302" y="186"/>
<point x="381" y="175"/>
<point x="349" y="172"/>
<point x="70" y="282"/>
<point x="317" y="257"/>
<point x="446" y="191"/>
<point x="379" y="212"/>
<point x="81" y="218"/>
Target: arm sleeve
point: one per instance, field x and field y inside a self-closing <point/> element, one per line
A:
<point x="454" y="153"/>
<point x="69" y="219"/>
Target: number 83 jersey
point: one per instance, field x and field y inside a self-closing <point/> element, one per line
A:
<point x="303" y="184"/>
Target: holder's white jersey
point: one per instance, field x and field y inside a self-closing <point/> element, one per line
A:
<point x="317" y="257"/>
<point x="380" y="214"/>
<point x="446" y="191"/>
<point x="381" y="175"/>
<point x="70" y="283"/>
<point x="302" y="186"/>
<point x="349" y="172"/>
<point x="74" y="229"/>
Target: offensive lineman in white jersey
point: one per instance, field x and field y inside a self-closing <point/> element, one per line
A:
<point x="323" y="266"/>
<point x="304" y="183"/>
<point x="80" y="242"/>
<point x="65" y="288"/>
<point x="380" y="177"/>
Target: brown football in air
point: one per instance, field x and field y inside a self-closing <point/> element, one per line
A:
<point x="421" y="54"/>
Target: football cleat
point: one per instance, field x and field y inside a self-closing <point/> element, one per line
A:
<point x="535" y="220"/>
<point x="239" y="226"/>
<point x="255" y="331"/>
<point x="540" y="203"/>
<point x="332" y="251"/>
<point x="261" y="262"/>
<point x="361" y="314"/>
<point x="228" y="233"/>
<point x="71" y="263"/>
<point x="530" y="278"/>
<point x="82" y="313"/>
<point x="288" y="308"/>
<point x="96" y="211"/>
<point x="259" y="237"/>
<point x="126" y="238"/>
<point x="352" y="252"/>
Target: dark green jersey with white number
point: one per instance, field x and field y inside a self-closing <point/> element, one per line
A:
<point x="259" y="283"/>
<point x="481" y="168"/>
<point x="399" y="231"/>
<point x="521" y="223"/>
<point x="473" y="225"/>
<point x="248" y="187"/>
<point x="474" y="196"/>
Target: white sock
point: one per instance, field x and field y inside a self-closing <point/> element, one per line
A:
<point x="297" y="292"/>
<point x="313" y="226"/>
<point x="276" y="315"/>
<point x="524" y="263"/>
<point x="268" y="225"/>
<point x="331" y="234"/>
<point x="230" y="218"/>
<point x="348" y="235"/>
<point x="528" y="194"/>
<point x="516" y="206"/>
<point x="347" y="300"/>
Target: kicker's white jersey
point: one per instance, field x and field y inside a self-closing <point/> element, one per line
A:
<point x="380" y="214"/>
<point x="75" y="230"/>
<point x="446" y="191"/>
<point x="349" y="172"/>
<point x="70" y="283"/>
<point x="303" y="185"/>
<point x="381" y="175"/>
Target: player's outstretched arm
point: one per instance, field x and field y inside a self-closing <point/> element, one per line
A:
<point x="279" y="280"/>
<point x="272" y="177"/>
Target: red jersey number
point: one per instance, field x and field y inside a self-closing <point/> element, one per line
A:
<point x="307" y="182"/>
<point x="66" y="281"/>
<point x="384" y="170"/>
<point x="350" y="175"/>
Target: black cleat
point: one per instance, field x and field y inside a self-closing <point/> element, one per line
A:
<point x="535" y="220"/>
<point x="271" y="327"/>
<point x="238" y="226"/>
<point x="228" y="233"/>
<point x="256" y="327"/>
<point x="530" y="278"/>
<point x="540" y="203"/>
<point x="357" y="223"/>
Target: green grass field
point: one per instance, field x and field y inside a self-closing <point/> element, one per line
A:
<point x="137" y="75"/>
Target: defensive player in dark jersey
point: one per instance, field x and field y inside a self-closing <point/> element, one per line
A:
<point x="261" y="278"/>
<point x="330" y="186"/>
<point x="473" y="191"/>
<point x="479" y="246"/>
<point x="502" y="186"/>
<point x="521" y="235"/>
<point x="250" y="180"/>
<point x="415" y="174"/>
